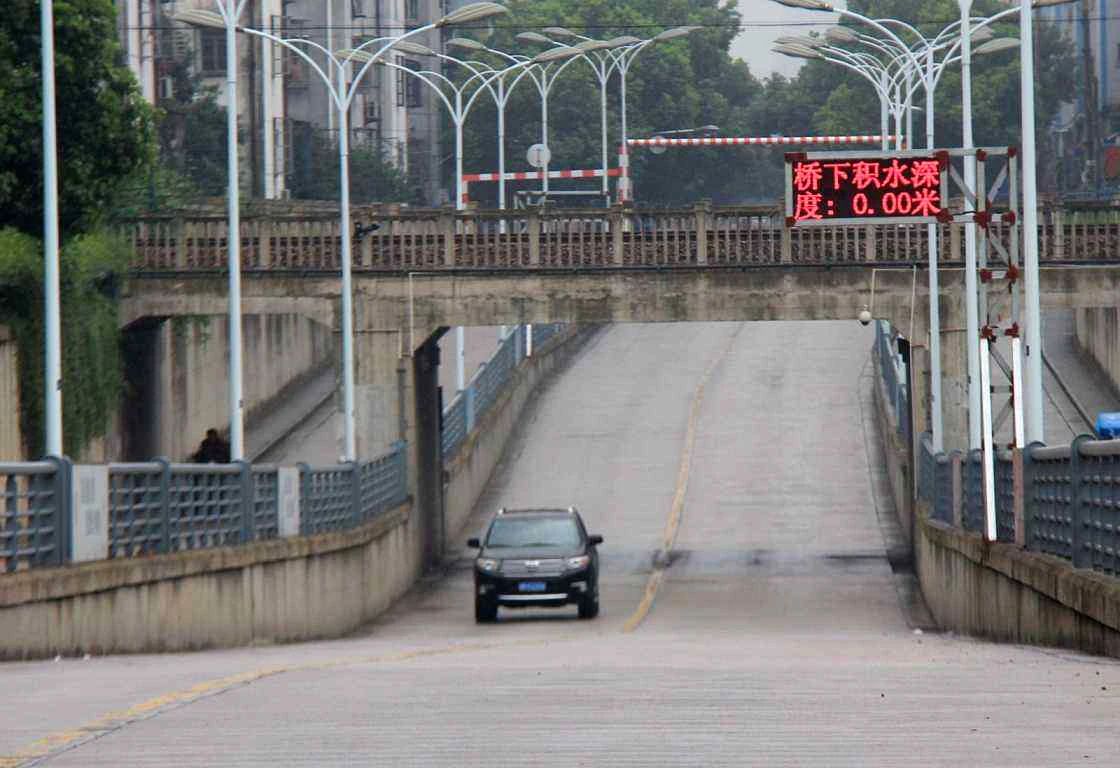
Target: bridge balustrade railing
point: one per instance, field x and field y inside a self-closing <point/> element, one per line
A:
<point x="700" y="235"/>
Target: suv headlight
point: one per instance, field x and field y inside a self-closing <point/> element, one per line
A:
<point x="578" y="563"/>
<point x="488" y="564"/>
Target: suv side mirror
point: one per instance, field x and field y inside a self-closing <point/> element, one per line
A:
<point x="474" y="543"/>
<point x="594" y="539"/>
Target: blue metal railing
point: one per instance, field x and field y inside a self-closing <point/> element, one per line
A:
<point x="892" y="369"/>
<point x="487" y="384"/>
<point x="1071" y="493"/>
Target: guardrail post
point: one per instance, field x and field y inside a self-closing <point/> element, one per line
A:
<point x="618" y="258"/>
<point x="63" y="512"/>
<point x="870" y="243"/>
<point x="248" y="499"/>
<point x="11" y="523"/>
<point x="1018" y="489"/>
<point x="264" y="242"/>
<point x="356" y="511"/>
<point x="164" y="504"/>
<point x="468" y="406"/>
<point x="1080" y="553"/>
<point x="955" y="463"/>
<point x="1058" y="223"/>
<point x="304" y="497"/>
<point x="533" y="225"/>
<point x="786" y="244"/>
<point x="447" y="225"/>
<point x="702" y="212"/>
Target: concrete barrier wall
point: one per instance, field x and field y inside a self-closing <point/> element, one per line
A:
<point x="284" y="590"/>
<point x="1098" y="336"/>
<point x="469" y="470"/>
<point x="300" y="588"/>
<point x="178" y="368"/>
<point x="997" y="590"/>
<point x="11" y="443"/>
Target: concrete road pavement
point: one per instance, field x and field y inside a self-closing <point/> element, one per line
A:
<point x="774" y="638"/>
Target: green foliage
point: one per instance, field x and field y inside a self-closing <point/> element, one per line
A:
<point x="372" y="177"/>
<point x="104" y="125"/>
<point x="91" y="360"/>
<point x="694" y="81"/>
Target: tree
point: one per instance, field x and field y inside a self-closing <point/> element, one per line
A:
<point x="104" y="125"/>
<point x="372" y="177"/>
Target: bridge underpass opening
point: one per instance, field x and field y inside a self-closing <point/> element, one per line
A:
<point x="727" y="461"/>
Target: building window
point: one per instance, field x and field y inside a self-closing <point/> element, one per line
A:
<point x="402" y="82"/>
<point x="213" y="47"/>
<point x="415" y="86"/>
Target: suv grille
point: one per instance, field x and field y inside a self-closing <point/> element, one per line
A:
<point x="532" y="567"/>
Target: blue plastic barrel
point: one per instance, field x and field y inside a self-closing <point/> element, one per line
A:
<point x="1108" y="426"/>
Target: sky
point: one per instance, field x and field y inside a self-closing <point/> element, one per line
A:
<point x="754" y="43"/>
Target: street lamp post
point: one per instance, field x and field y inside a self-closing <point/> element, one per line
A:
<point x="341" y="97"/>
<point x="52" y="381"/>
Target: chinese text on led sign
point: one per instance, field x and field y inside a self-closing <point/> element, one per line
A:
<point x="870" y="188"/>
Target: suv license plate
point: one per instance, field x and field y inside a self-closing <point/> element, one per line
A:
<point x="531" y="586"/>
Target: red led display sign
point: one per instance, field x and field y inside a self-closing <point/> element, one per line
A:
<point x="846" y="189"/>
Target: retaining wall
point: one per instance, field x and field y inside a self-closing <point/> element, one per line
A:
<point x="999" y="590"/>
<point x="1098" y="336"/>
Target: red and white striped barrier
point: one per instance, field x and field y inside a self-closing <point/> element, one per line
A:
<point x="530" y="175"/>
<point x="596" y="173"/>
<point x="729" y="141"/>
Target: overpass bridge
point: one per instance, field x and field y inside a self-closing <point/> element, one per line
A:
<point x="427" y="269"/>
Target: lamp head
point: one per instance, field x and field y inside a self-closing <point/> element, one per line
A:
<point x="996" y="45"/>
<point x="412" y="47"/>
<point x="557" y="54"/>
<point x="559" y="32"/>
<point x="472" y="12"/>
<point x="197" y="17"/>
<point x="532" y="37"/>
<point x="465" y="43"/>
<point x="675" y="32"/>
<point x="808" y="5"/>
<point x="841" y="35"/>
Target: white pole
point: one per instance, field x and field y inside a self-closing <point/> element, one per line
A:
<point x="233" y="195"/>
<point x="972" y="319"/>
<point x="544" y="134"/>
<point x="909" y="110"/>
<point x="626" y="191"/>
<point x="1017" y="390"/>
<point x="989" y="447"/>
<point x="269" y="164"/>
<point x="52" y="382"/>
<point x="603" y="75"/>
<point x="350" y="452"/>
<point x="529" y="340"/>
<point x="1035" y="428"/>
<point x="934" y="286"/>
<point x="460" y="359"/>
<point x="884" y="119"/>
<point x="501" y="146"/>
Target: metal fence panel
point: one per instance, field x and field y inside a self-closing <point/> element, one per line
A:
<point x="1005" y="497"/>
<point x="1049" y="502"/>
<point x="326" y="498"/>
<point x="972" y="482"/>
<point x="32" y="515"/>
<point x="138" y="522"/>
<point x="266" y="503"/>
<point x="492" y="378"/>
<point x="204" y="504"/>
<point x="942" y="505"/>
<point x="454" y="425"/>
<point x="384" y="483"/>
<point x="1099" y="496"/>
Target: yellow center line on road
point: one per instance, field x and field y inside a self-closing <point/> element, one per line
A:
<point x="676" y="512"/>
<point x="61" y="741"/>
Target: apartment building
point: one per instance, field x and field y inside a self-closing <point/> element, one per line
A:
<point x="283" y="103"/>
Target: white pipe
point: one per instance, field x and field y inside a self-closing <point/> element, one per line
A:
<point x="350" y="453"/>
<point x="52" y="382"/>
<point x="972" y="319"/>
<point x="1032" y="314"/>
<point x="936" y="426"/>
<point x="269" y="148"/>
<point x="233" y="240"/>
<point x="460" y="359"/>
<point x="989" y="448"/>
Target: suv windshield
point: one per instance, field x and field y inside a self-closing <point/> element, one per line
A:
<point x="533" y="532"/>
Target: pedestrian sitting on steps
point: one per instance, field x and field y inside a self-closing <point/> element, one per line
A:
<point x="213" y="449"/>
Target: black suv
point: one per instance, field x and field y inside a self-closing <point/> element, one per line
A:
<point x="536" y="557"/>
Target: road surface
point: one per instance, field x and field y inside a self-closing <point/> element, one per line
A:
<point x="774" y="637"/>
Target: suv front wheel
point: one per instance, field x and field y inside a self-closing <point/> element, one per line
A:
<point x="486" y="611"/>
<point x="589" y="607"/>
